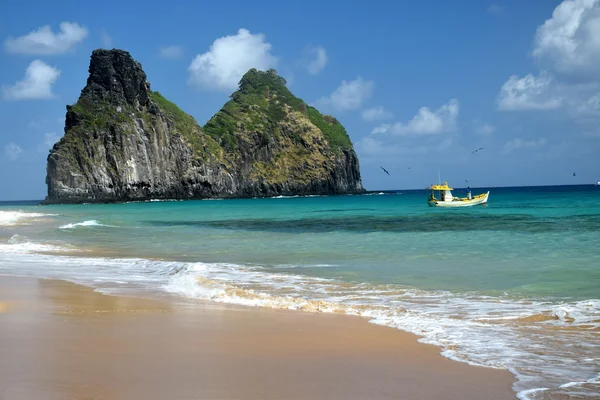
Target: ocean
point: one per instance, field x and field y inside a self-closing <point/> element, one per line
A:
<point x="514" y="284"/>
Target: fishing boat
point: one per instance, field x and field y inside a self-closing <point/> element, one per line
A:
<point x="446" y="199"/>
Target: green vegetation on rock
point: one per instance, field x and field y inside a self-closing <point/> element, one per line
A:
<point x="97" y="114"/>
<point x="185" y="125"/>
<point x="334" y="132"/>
<point x="259" y="105"/>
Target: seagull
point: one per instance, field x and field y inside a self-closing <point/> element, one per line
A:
<point x="574" y="174"/>
<point x="466" y="181"/>
<point x="384" y="170"/>
<point x="475" y="151"/>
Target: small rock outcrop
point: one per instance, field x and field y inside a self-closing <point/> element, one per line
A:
<point x="125" y="142"/>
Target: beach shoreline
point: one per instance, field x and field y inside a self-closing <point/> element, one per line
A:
<point x="63" y="340"/>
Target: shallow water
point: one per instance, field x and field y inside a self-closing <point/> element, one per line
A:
<point x="514" y="284"/>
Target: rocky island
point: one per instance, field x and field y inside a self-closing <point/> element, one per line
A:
<point x="125" y="142"/>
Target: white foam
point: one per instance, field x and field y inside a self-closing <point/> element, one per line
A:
<point x="10" y="218"/>
<point x="532" y="339"/>
<point x="18" y="244"/>
<point x="527" y="394"/>
<point x="158" y="200"/>
<point x="478" y="330"/>
<point x="595" y="380"/>
<point x="92" y="222"/>
<point x="293" y="197"/>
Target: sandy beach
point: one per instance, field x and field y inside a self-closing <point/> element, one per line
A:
<point x="59" y="340"/>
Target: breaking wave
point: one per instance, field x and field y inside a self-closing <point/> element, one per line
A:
<point x="10" y="218"/>
<point x="532" y="339"/>
<point x="92" y="222"/>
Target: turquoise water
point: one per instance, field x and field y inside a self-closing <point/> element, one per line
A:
<point x="514" y="284"/>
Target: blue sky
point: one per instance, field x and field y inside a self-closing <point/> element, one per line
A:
<point x="416" y="84"/>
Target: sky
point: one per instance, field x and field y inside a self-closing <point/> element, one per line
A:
<point x="418" y="85"/>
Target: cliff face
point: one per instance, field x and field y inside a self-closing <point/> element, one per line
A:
<point x="124" y="142"/>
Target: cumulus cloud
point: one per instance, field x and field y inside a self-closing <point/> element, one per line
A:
<point x="43" y="41"/>
<point x="567" y="48"/>
<point x="528" y="93"/>
<point x="426" y="122"/>
<point x="376" y="114"/>
<point x="228" y="59"/>
<point x="569" y="42"/>
<point x="350" y="95"/>
<point x="12" y="151"/>
<point x="170" y="52"/>
<point x="37" y="84"/>
<point x="316" y="59"/>
<point x="517" y="144"/>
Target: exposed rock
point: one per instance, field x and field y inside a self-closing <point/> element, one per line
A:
<point x="124" y="142"/>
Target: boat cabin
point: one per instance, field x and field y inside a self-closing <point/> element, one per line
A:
<point x="444" y="192"/>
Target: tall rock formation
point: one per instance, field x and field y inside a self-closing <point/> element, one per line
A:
<point x="124" y="142"/>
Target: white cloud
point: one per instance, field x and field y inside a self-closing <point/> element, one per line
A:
<point x="528" y="93"/>
<point x="170" y="52"/>
<point x="350" y="95"/>
<point x="426" y="122"/>
<point x="45" y="42"/>
<point x="37" y="84"/>
<point x="318" y="59"/>
<point x="484" y="129"/>
<point x="12" y="151"/>
<point x="376" y="114"/>
<point x="569" y="42"/>
<point x="107" y="42"/>
<point x="228" y="59"/>
<point x="516" y="144"/>
<point x="567" y="48"/>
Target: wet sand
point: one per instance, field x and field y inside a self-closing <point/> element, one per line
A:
<point x="62" y="341"/>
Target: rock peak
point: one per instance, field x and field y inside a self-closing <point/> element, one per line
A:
<point x="255" y="79"/>
<point x="117" y="78"/>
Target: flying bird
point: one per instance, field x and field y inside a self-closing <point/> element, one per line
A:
<point x="466" y="181"/>
<point x="384" y="170"/>
<point x="475" y="151"/>
<point x="574" y="174"/>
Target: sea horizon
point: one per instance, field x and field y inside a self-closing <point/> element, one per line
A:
<point x="367" y="191"/>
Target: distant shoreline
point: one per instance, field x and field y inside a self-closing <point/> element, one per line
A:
<point x="368" y="192"/>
